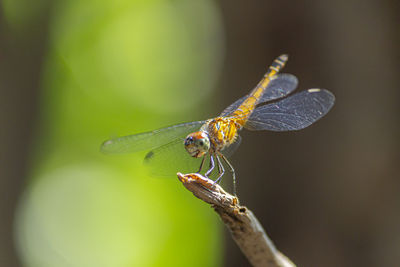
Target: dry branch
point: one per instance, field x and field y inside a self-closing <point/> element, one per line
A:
<point x="246" y="230"/>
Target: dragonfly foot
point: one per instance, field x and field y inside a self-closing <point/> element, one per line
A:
<point x="218" y="180"/>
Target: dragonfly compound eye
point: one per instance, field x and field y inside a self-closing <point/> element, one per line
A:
<point x="203" y="144"/>
<point x="197" y="144"/>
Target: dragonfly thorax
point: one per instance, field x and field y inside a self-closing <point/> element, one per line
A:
<point x="197" y="144"/>
<point x="222" y="131"/>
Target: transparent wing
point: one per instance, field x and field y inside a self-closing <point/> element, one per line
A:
<point x="167" y="160"/>
<point x="279" y="87"/>
<point x="171" y="158"/>
<point x="149" y="140"/>
<point x="292" y="113"/>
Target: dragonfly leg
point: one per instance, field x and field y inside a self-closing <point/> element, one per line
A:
<point x="202" y="164"/>
<point x="232" y="171"/>
<point x="212" y="165"/>
<point x="221" y="170"/>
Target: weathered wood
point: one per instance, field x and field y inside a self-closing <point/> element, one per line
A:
<point x="246" y="230"/>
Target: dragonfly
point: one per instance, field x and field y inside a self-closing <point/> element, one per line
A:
<point x="269" y="106"/>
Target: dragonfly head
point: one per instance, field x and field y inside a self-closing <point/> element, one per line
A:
<point x="197" y="144"/>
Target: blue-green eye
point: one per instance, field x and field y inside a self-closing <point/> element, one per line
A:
<point x="197" y="144"/>
<point x="203" y="144"/>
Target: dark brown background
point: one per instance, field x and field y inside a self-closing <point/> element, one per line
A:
<point x="328" y="195"/>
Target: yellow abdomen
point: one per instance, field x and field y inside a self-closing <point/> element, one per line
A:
<point x="243" y="112"/>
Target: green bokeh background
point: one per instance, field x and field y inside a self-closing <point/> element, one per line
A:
<point x="74" y="73"/>
<point x="116" y="68"/>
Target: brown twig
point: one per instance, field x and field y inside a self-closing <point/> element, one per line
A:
<point x="246" y="230"/>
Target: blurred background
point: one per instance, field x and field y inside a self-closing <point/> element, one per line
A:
<point x="74" y="73"/>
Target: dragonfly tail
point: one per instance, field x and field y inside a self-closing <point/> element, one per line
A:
<point x="277" y="65"/>
<point x="246" y="108"/>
